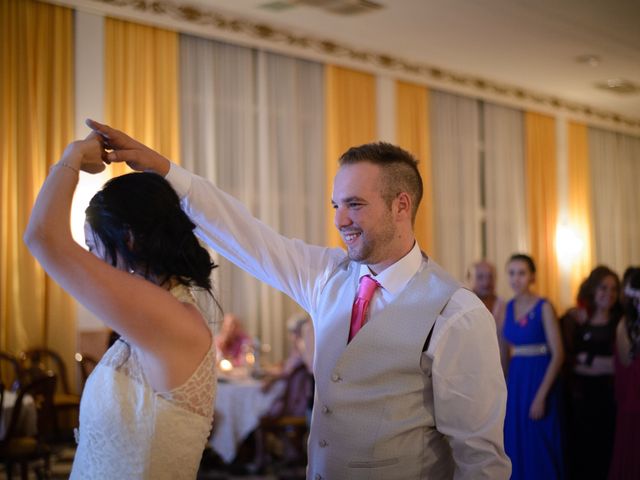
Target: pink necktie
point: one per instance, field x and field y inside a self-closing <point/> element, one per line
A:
<point x="358" y="315"/>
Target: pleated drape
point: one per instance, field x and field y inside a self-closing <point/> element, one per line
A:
<point x="455" y="129"/>
<point x="542" y="201"/>
<point x="615" y="170"/>
<point x="141" y="85"/>
<point x="253" y="124"/>
<point x="504" y="187"/>
<point x="413" y="134"/>
<point x="579" y="203"/>
<point x="350" y="120"/>
<point x="36" y="123"/>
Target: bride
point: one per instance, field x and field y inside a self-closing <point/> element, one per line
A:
<point x="147" y="408"/>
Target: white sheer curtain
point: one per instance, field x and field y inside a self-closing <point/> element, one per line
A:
<point x="505" y="194"/>
<point x="615" y="167"/>
<point x="252" y="122"/>
<point x="456" y="182"/>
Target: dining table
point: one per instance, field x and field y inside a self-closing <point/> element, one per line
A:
<point x="28" y="420"/>
<point x="240" y="404"/>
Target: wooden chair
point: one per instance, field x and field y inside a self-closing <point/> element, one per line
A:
<point x="16" y="448"/>
<point x="38" y="361"/>
<point x="47" y="359"/>
<point x="10" y="370"/>
<point x="1" y="396"/>
<point x="86" y="363"/>
<point x="287" y="421"/>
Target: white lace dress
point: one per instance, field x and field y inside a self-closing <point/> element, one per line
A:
<point x="129" y="431"/>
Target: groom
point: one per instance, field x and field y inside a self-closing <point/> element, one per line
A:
<point x="408" y="377"/>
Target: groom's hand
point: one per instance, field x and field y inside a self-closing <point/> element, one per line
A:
<point x="125" y="149"/>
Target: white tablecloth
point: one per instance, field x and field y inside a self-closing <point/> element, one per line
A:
<point x="28" y="422"/>
<point x="239" y="405"/>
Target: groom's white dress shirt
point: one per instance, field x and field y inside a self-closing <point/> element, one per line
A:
<point x="384" y="408"/>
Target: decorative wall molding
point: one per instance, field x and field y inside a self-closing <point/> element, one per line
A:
<point x="215" y="24"/>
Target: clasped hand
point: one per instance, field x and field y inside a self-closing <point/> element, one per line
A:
<point x="86" y="155"/>
<point x="105" y="145"/>
<point x="126" y="149"/>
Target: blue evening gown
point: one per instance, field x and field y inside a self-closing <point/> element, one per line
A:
<point x="534" y="446"/>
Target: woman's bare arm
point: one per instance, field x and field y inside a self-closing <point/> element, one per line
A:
<point x="554" y="341"/>
<point x="169" y="332"/>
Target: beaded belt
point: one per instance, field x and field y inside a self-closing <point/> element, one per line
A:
<point x="530" y="350"/>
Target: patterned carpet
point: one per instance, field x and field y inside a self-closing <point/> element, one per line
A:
<point x="61" y="460"/>
<point x="211" y="468"/>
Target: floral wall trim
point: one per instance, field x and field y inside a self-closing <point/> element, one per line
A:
<point x="204" y="17"/>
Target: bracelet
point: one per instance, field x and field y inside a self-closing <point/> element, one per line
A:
<point x="62" y="164"/>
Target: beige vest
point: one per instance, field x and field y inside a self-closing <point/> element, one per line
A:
<point x="373" y="414"/>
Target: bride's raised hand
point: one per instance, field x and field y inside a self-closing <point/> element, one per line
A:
<point x="86" y="155"/>
<point x="93" y="154"/>
<point x="127" y="149"/>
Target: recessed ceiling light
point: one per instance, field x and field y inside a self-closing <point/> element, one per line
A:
<point x="277" y="6"/>
<point x="619" y="85"/>
<point x="589" y="59"/>
<point x="340" y="7"/>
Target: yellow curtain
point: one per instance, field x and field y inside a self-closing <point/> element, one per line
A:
<point x="542" y="201"/>
<point x="350" y="120"/>
<point x="141" y="85"/>
<point x="412" y="134"/>
<point x="36" y="123"/>
<point x="579" y="202"/>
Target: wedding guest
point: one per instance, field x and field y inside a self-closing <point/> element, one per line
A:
<point x="626" y="276"/>
<point x="481" y="277"/>
<point x="533" y="436"/>
<point x="590" y="332"/>
<point x="233" y="342"/>
<point x="300" y="351"/>
<point x="625" y="464"/>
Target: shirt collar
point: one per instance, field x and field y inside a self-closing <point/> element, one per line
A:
<point x="395" y="277"/>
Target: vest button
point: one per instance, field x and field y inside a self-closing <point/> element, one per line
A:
<point x="317" y="477"/>
<point x="325" y="409"/>
<point x="335" y="377"/>
<point x="323" y="443"/>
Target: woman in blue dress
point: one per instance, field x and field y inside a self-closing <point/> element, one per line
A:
<point x="533" y="437"/>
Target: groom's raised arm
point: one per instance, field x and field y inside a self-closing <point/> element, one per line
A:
<point x="290" y="265"/>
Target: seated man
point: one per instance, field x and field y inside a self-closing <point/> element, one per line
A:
<point x="300" y="331"/>
<point x="296" y="375"/>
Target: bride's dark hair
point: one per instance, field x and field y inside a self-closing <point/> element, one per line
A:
<point x="138" y="216"/>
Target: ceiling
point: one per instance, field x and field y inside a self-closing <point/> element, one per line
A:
<point x="529" y="44"/>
